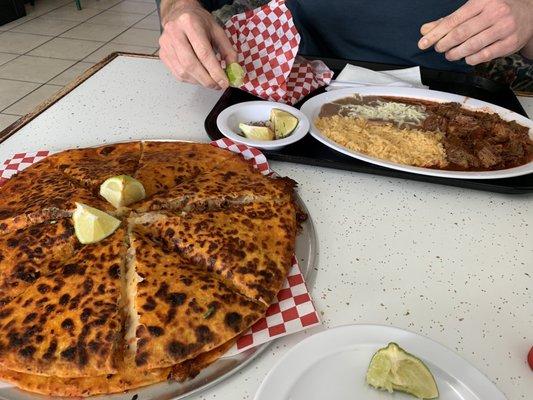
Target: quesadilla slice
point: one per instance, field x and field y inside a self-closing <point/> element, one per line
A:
<point x="27" y="254"/>
<point x="92" y="166"/>
<point x="127" y="377"/>
<point x="180" y="310"/>
<point x="250" y="245"/>
<point x="191" y="368"/>
<point x="164" y="165"/>
<point x="124" y="379"/>
<point x="68" y="323"/>
<point x="41" y="193"/>
<point x="235" y="181"/>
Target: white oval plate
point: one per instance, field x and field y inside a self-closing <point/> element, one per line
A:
<point x="332" y="365"/>
<point x="311" y="109"/>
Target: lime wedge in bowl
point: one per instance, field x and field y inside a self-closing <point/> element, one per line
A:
<point x="392" y="368"/>
<point x="122" y="190"/>
<point x="283" y="122"/>
<point x="235" y="74"/>
<point x="92" y="225"/>
<point x="257" y="132"/>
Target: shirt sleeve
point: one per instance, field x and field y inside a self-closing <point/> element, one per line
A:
<point x="212" y="5"/>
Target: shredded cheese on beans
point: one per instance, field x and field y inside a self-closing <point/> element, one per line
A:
<point x="387" y="111"/>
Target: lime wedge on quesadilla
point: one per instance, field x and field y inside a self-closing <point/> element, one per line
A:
<point x="92" y="225"/>
<point x="122" y="190"/>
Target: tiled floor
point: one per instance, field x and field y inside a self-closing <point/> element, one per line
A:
<point x="55" y="42"/>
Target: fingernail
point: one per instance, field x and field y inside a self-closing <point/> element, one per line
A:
<point x="222" y="83"/>
<point x="423" y="43"/>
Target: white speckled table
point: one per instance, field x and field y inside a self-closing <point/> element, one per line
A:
<point x="452" y="264"/>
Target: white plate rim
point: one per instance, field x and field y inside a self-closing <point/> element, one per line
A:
<point x="312" y="106"/>
<point x="273" y="386"/>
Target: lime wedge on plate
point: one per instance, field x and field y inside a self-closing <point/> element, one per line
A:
<point x="392" y="368"/>
<point x="283" y="122"/>
<point x="235" y="74"/>
<point x="92" y="225"/>
<point x="122" y="190"/>
<point x="256" y="132"/>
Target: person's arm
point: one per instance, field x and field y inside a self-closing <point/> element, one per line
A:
<point x="189" y="41"/>
<point x="482" y="30"/>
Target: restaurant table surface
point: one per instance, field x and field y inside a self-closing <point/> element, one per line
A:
<point x="452" y="264"/>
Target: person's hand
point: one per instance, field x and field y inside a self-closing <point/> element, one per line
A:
<point x="189" y="41"/>
<point x="481" y="30"/>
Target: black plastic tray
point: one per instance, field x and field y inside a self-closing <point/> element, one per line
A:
<point x="310" y="151"/>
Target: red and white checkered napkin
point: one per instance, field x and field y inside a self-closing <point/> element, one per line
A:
<point x="19" y="161"/>
<point x="294" y="310"/>
<point x="267" y="42"/>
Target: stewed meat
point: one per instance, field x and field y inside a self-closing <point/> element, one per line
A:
<point x="477" y="140"/>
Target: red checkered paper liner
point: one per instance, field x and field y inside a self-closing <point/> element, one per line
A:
<point x="251" y="154"/>
<point x="267" y="43"/>
<point x="293" y="311"/>
<point x="19" y="161"/>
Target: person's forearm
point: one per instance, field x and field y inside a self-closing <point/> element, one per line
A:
<point x="168" y="5"/>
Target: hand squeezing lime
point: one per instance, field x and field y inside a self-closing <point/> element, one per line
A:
<point x="235" y="74"/>
<point x="392" y="368"/>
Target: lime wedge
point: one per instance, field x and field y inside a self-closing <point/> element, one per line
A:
<point x="256" y="132"/>
<point x="235" y="74"/>
<point x="392" y="368"/>
<point x="92" y="225"/>
<point x="283" y="122"/>
<point x="122" y="190"/>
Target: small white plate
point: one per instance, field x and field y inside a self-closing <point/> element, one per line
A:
<point x="332" y="365"/>
<point x="312" y="107"/>
<point x="259" y="111"/>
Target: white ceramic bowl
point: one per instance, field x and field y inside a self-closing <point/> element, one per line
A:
<point x="259" y="111"/>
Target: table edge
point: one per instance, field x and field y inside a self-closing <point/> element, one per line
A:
<point x="43" y="106"/>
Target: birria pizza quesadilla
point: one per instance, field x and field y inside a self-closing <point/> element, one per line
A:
<point x="188" y="270"/>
